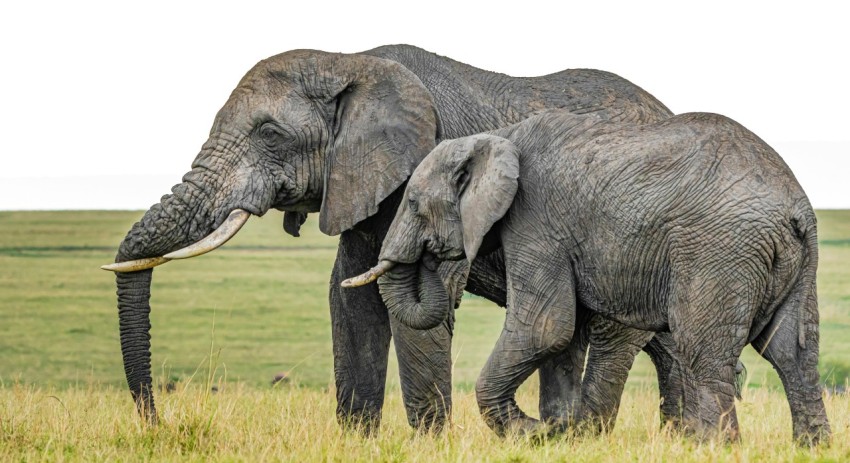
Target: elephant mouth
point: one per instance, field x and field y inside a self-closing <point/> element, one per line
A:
<point x="443" y="252"/>
<point x="228" y="229"/>
<point x="290" y="204"/>
<point x="449" y="254"/>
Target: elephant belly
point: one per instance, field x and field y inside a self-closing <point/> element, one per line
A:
<point x="627" y="294"/>
<point x="635" y="317"/>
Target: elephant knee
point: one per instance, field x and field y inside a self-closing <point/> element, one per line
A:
<point x="484" y="393"/>
<point x="490" y="395"/>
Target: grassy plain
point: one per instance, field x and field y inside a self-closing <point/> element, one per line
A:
<point x="258" y="306"/>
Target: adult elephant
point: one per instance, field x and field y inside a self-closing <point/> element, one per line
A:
<point x="339" y="134"/>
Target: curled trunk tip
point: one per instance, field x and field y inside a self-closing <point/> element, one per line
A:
<point x="415" y="296"/>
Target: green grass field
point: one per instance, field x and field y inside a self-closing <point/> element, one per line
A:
<point x="258" y="306"/>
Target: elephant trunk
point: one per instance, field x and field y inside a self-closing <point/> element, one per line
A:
<point x="408" y="278"/>
<point x="134" y="322"/>
<point x="180" y="219"/>
<point x="415" y="295"/>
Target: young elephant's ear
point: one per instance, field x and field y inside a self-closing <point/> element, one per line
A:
<point x="488" y="191"/>
<point x="385" y="124"/>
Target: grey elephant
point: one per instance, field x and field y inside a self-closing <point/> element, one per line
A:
<point x="308" y="131"/>
<point x="692" y="225"/>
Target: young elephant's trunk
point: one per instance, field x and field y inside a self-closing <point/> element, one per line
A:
<point x="415" y="295"/>
<point x="417" y="290"/>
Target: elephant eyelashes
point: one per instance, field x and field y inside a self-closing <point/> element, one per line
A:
<point x="270" y="135"/>
<point x="462" y="181"/>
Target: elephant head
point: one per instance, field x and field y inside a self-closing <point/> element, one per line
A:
<point x="304" y="131"/>
<point x="452" y="201"/>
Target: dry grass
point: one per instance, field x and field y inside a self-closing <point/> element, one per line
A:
<point x="297" y="424"/>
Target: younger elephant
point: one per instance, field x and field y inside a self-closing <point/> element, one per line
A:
<point x="692" y="225"/>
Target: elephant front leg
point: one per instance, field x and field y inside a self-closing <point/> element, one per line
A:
<point x="560" y="376"/>
<point x="361" y="338"/>
<point x="539" y="323"/>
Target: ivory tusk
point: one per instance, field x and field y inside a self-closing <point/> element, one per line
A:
<point x="135" y="265"/>
<point x="371" y="275"/>
<point x="224" y="232"/>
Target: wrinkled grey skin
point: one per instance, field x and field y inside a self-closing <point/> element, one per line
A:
<point x="308" y="131"/>
<point x="692" y="225"/>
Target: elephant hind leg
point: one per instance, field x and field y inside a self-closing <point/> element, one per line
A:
<point x="796" y="362"/>
<point x="662" y="351"/>
<point x="561" y="378"/>
<point x="613" y="348"/>
<point x="708" y="383"/>
<point x="710" y="320"/>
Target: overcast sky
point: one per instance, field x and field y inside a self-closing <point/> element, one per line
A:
<point x="104" y="105"/>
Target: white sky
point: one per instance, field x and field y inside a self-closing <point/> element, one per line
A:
<point x="104" y="105"/>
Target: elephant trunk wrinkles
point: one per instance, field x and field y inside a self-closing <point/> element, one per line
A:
<point x="134" y="322"/>
<point x="177" y="221"/>
<point x="415" y="295"/>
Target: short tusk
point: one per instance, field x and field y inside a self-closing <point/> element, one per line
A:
<point x="371" y="275"/>
<point x="135" y="265"/>
<point x="224" y="232"/>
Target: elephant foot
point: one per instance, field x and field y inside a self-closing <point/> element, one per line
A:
<point x="525" y="427"/>
<point x="596" y="417"/>
<point x="671" y="415"/>
<point x="703" y="431"/>
<point x="814" y="432"/>
<point x="367" y="423"/>
<point x="813" y="437"/>
<point x="508" y="420"/>
<point x="592" y="426"/>
<point x="429" y="421"/>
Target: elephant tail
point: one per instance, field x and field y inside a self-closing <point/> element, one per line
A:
<point x="804" y="224"/>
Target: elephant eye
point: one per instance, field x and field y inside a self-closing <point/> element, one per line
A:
<point x="270" y="135"/>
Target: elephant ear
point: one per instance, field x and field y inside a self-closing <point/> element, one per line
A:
<point x="490" y="184"/>
<point x="385" y="124"/>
